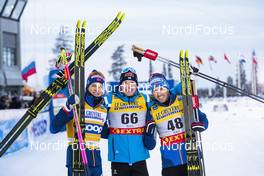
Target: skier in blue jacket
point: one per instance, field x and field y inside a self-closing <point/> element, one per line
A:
<point x="165" y="115"/>
<point x="95" y="118"/>
<point x="127" y="109"/>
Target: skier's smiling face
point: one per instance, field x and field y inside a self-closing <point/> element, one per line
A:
<point x="161" y="94"/>
<point x="96" y="89"/>
<point x="128" y="87"/>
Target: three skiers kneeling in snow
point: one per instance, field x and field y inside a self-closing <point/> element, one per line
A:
<point x="130" y="120"/>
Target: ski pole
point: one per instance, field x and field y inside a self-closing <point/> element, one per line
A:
<point x="198" y="134"/>
<point x="152" y="55"/>
<point x="63" y="59"/>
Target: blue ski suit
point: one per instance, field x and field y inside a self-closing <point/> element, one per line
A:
<point x="169" y="122"/>
<point x="95" y="118"/>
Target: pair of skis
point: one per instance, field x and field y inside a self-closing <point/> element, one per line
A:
<point x="62" y="63"/>
<point x="195" y="162"/>
<point x="55" y="86"/>
<point x="80" y="161"/>
<point x="79" y="154"/>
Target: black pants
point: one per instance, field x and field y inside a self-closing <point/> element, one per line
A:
<point x="124" y="169"/>
<point x="180" y="170"/>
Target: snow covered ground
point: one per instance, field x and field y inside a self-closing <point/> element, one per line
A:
<point x="232" y="145"/>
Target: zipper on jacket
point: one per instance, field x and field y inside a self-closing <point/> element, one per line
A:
<point x="129" y="152"/>
<point x="179" y="145"/>
<point x="113" y="148"/>
<point x="94" y="162"/>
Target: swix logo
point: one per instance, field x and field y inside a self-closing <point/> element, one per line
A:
<point x="129" y="74"/>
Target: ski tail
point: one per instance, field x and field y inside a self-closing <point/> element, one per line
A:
<point x="198" y="134"/>
<point x="194" y="165"/>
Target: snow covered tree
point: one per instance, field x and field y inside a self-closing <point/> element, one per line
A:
<point x="243" y="80"/>
<point x="218" y="91"/>
<point x="118" y="62"/>
<point x="242" y="74"/>
<point x="230" y="92"/>
<point x="63" y="40"/>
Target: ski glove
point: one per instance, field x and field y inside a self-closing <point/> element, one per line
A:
<point x="198" y="126"/>
<point x="72" y="100"/>
<point x="150" y="128"/>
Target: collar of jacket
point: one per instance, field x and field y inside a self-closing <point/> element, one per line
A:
<point x="126" y="98"/>
<point x="172" y="98"/>
<point x="93" y="101"/>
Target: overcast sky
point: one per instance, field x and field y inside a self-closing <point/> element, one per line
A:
<point x="204" y="27"/>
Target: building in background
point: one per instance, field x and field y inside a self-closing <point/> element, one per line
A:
<point x="10" y="57"/>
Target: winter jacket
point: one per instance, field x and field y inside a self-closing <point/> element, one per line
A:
<point x="170" y="126"/>
<point x="95" y="118"/>
<point x="126" y="117"/>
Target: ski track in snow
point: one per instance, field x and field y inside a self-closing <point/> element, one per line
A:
<point x="232" y="146"/>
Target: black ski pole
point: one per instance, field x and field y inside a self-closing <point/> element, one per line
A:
<point x="152" y="55"/>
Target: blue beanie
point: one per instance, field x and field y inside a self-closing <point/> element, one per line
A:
<point x="94" y="77"/>
<point x="128" y="74"/>
<point x="158" y="80"/>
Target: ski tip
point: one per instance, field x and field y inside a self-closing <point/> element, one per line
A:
<point x="119" y="15"/>
<point x="181" y="54"/>
<point x="186" y="54"/>
<point x="122" y="16"/>
<point x="84" y="24"/>
<point x="78" y="23"/>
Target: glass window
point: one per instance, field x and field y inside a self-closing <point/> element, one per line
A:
<point x="2" y="3"/>
<point x="9" y="40"/>
<point x="9" y="7"/>
<point x="9" y="57"/>
<point x="18" y="9"/>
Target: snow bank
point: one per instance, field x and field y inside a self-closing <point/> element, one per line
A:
<point x="232" y="145"/>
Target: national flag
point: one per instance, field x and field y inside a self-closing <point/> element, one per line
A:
<point x="227" y="59"/>
<point x="212" y="59"/>
<point x="254" y="58"/>
<point x="242" y="61"/>
<point x="29" y="70"/>
<point x="198" y="60"/>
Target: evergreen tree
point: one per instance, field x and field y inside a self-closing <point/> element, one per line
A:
<point x="63" y="40"/>
<point x="243" y="79"/>
<point x="230" y="92"/>
<point x="218" y="91"/>
<point x="118" y="62"/>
